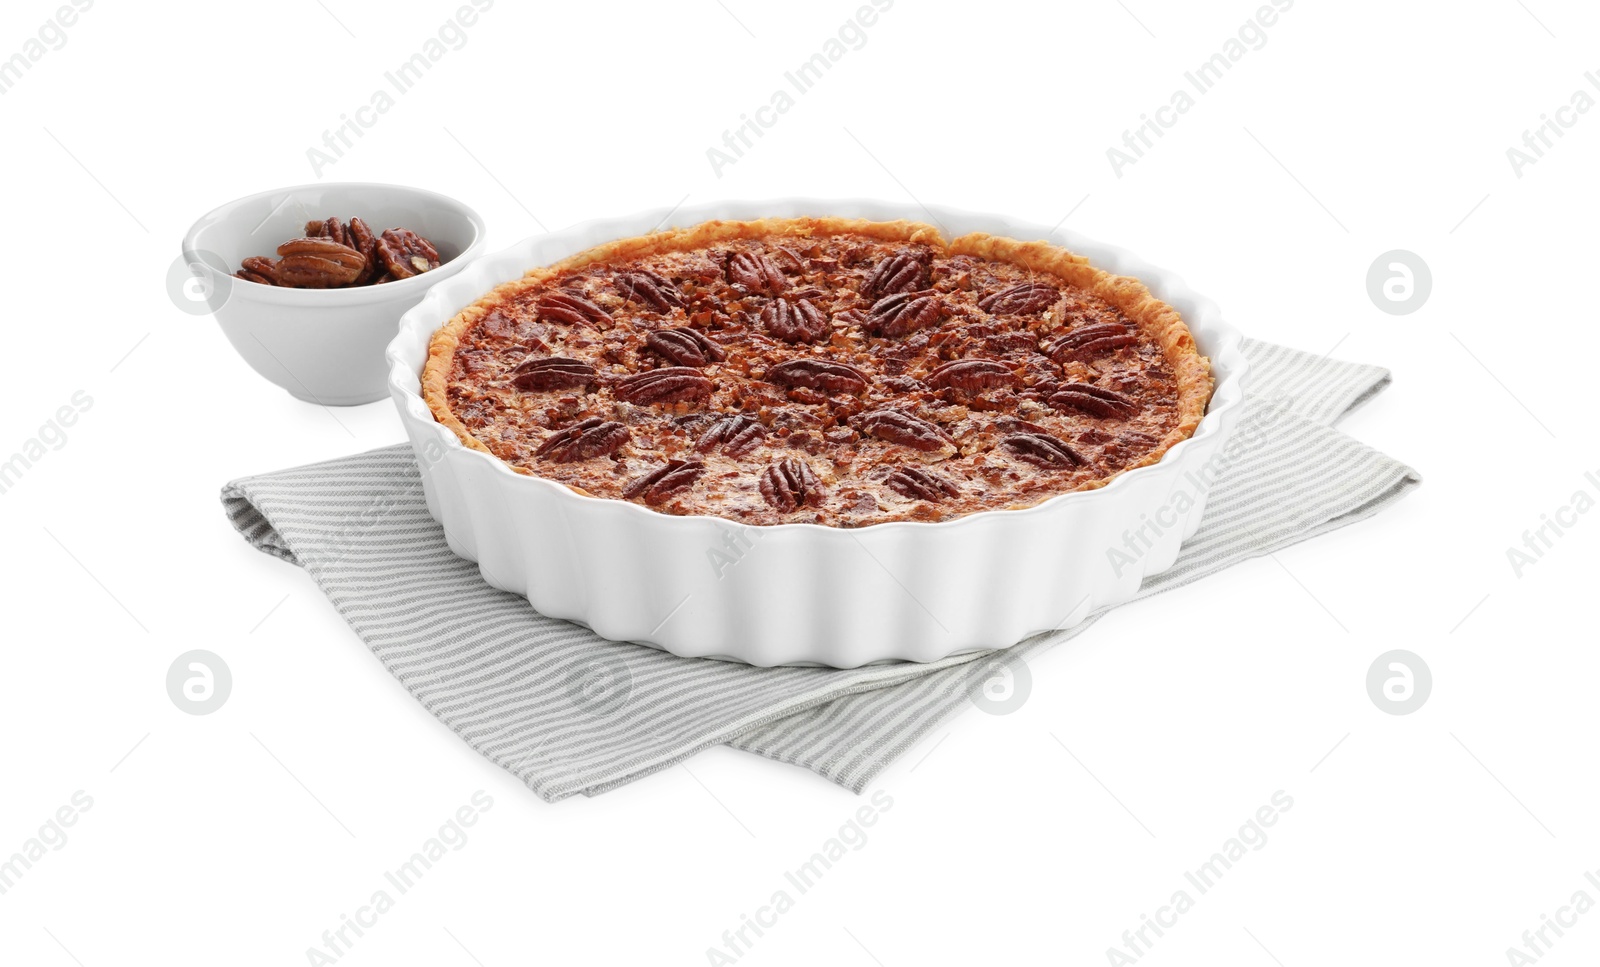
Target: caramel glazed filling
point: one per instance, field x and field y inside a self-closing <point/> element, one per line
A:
<point x="839" y="380"/>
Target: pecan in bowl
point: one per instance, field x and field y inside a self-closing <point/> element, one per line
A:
<point x="333" y="254"/>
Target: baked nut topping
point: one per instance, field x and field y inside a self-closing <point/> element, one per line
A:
<point x="790" y="484"/>
<point x="903" y="313"/>
<point x="659" y="484"/>
<point x="583" y="441"/>
<point x="551" y="372"/>
<point x="825" y="371"/>
<point x="818" y="374"/>
<point x="794" y="321"/>
<point x="684" y="347"/>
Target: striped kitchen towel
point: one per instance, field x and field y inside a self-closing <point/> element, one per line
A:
<point x="567" y="711"/>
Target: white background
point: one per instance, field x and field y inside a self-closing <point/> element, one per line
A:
<point x="1360" y="127"/>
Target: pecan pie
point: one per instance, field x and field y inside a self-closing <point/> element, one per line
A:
<point x="824" y="371"/>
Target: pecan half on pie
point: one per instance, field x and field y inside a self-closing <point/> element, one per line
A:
<point x="824" y="371"/>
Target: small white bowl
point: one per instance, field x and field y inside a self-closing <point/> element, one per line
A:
<point x="324" y="346"/>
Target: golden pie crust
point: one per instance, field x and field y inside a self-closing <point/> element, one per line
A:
<point x="1056" y="424"/>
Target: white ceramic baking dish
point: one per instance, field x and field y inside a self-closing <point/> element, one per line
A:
<point x="804" y="593"/>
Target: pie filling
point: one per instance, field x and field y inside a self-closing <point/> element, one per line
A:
<point x="820" y="371"/>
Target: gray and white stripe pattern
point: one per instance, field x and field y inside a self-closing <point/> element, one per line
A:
<point x="568" y="712"/>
